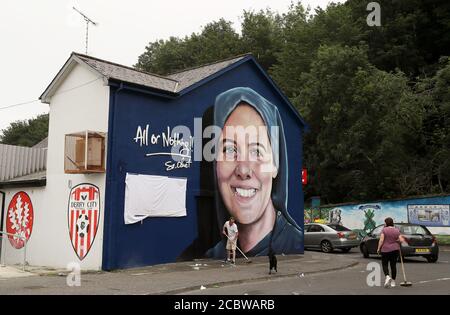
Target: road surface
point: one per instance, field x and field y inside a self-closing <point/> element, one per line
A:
<point x="427" y="278"/>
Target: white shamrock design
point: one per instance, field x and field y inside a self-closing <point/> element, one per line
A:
<point x="19" y="218"/>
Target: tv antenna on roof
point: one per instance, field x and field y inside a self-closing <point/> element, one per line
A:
<point x="88" y="20"/>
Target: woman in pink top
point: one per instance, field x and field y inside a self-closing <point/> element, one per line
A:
<point x="389" y="247"/>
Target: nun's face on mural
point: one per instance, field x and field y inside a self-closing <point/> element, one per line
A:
<point x="245" y="165"/>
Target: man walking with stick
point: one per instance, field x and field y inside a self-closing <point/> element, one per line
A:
<point x="230" y="230"/>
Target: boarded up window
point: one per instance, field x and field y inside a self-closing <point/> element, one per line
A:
<point x="154" y="196"/>
<point x="84" y="152"/>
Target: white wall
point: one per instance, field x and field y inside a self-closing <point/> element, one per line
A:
<point x="11" y="255"/>
<point x="71" y="110"/>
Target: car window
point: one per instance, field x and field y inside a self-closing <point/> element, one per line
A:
<point x="413" y="229"/>
<point x="377" y="230"/>
<point x="339" y="228"/>
<point x="316" y="228"/>
<point x="307" y="227"/>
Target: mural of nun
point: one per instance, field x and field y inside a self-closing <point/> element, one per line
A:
<point x="251" y="175"/>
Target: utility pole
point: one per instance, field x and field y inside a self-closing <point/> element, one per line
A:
<point x="88" y="20"/>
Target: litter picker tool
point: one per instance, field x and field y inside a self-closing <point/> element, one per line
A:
<point x="248" y="260"/>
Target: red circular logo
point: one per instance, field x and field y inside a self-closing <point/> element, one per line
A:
<point x="19" y="222"/>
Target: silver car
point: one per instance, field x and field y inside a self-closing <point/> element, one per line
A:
<point x="328" y="237"/>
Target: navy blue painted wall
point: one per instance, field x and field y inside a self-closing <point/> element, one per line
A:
<point x="160" y="240"/>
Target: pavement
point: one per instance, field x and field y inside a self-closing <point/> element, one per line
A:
<point x="175" y="278"/>
<point x="8" y="272"/>
<point x="311" y="273"/>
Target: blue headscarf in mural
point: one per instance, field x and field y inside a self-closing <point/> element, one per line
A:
<point x="286" y="236"/>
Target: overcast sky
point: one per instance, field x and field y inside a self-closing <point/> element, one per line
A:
<point x="38" y="37"/>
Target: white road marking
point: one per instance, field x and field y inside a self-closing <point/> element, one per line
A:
<point x="141" y="274"/>
<point x="428" y="281"/>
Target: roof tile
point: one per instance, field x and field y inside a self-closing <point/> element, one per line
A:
<point x="127" y="74"/>
<point x="192" y="76"/>
<point x="172" y="83"/>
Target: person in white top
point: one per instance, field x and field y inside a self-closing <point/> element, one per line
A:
<point x="230" y="230"/>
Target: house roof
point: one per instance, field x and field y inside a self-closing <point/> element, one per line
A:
<point x="35" y="179"/>
<point x="22" y="164"/>
<point x="174" y="84"/>
<point x="112" y="70"/>
<point x="42" y="144"/>
<point x="192" y="76"/>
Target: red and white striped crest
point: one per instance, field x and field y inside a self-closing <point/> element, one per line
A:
<point x="84" y="217"/>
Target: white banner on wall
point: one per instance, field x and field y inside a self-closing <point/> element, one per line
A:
<point x="153" y="196"/>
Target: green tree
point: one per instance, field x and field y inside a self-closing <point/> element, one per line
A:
<point x="355" y="146"/>
<point x="165" y="56"/>
<point x="26" y="132"/>
<point x="262" y="35"/>
<point x="304" y="33"/>
<point x="413" y="34"/>
<point x="435" y="92"/>
<point x="217" y="40"/>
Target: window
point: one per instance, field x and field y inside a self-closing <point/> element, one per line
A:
<point x="339" y="228"/>
<point x="413" y="230"/>
<point x="84" y="152"/>
<point x="377" y="230"/>
<point x="316" y="228"/>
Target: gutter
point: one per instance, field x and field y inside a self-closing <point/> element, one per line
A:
<point x="25" y="183"/>
<point x="120" y="85"/>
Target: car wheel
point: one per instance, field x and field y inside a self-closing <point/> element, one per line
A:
<point x="326" y="247"/>
<point x="432" y="258"/>
<point x="364" y="251"/>
<point x="346" y="250"/>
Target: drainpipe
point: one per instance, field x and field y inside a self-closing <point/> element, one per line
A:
<point x="108" y="228"/>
